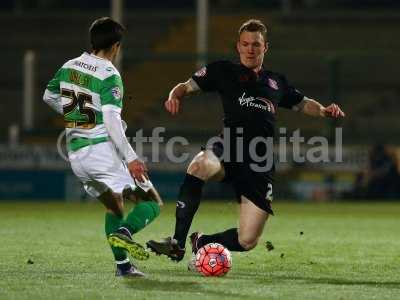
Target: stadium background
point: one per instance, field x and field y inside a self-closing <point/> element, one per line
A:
<point x="346" y="51"/>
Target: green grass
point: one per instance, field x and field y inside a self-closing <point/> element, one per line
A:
<point x="347" y="251"/>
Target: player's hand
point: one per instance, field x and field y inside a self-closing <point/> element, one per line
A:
<point x="172" y="105"/>
<point x="333" y="111"/>
<point x="138" y="170"/>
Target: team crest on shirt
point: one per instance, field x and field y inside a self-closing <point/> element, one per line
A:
<point x="116" y="92"/>
<point x="273" y="84"/>
<point x="202" y="72"/>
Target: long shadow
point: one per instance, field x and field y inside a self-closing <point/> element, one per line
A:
<point x="340" y="281"/>
<point x="190" y="275"/>
<point x="146" y="284"/>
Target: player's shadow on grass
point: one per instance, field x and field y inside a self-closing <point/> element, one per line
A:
<point x="338" y="281"/>
<point x="231" y="276"/>
<point x="147" y="284"/>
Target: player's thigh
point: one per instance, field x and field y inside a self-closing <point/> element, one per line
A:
<point x="206" y="165"/>
<point x="112" y="202"/>
<point x="251" y="222"/>
<point x="82" y="162"/>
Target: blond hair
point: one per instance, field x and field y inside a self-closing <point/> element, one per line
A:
<point x="254" y="25"/>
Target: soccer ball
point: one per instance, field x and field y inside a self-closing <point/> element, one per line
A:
<point x="213" y="260"/>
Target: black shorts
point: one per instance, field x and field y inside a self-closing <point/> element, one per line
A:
<point x="255" y="186"/>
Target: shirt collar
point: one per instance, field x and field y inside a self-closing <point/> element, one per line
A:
<point x="260" y="74"/>
<point x="94" y="56"/>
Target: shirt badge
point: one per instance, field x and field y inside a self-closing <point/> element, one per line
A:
<point x="202" y="72"/>
<point x="273" y="84"/>
<point x="116" y="92"/>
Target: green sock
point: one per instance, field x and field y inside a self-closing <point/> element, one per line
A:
<point x="112" y="223"/>
<point x="141" y="215"/>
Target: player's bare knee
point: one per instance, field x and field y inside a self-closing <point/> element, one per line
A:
<point x="193" y="168"/>
<point x="201" y="167"/>
<point x="248" y="243"/>
<point x="117" y="211"/>
<point x="119" y="208"/>
<point x="113" y="203"/>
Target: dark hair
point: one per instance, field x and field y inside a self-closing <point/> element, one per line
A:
<point x="253" y="25"/>
<point x="105" y="32"/>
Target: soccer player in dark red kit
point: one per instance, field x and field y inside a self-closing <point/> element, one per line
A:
<point x="251" y="95"/>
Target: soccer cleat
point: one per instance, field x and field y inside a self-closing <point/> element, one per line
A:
<point x="136" y="250"/>
<point x="194" y="238"/>
<point x="169" y="247"/>
<point x="132" y="271"/>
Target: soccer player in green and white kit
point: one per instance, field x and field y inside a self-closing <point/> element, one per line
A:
<point x="88" y="92"/>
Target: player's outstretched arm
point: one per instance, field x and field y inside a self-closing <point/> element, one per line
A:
<point x="176" y="95"/>
<point x="313" y="108"/>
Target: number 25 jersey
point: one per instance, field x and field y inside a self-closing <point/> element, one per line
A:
<point x="86" y="84"/>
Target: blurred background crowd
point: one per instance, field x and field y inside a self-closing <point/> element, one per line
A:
<point x="332" y="50"/>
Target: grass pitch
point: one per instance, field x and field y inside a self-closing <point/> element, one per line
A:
<point x="321" y="251"/>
